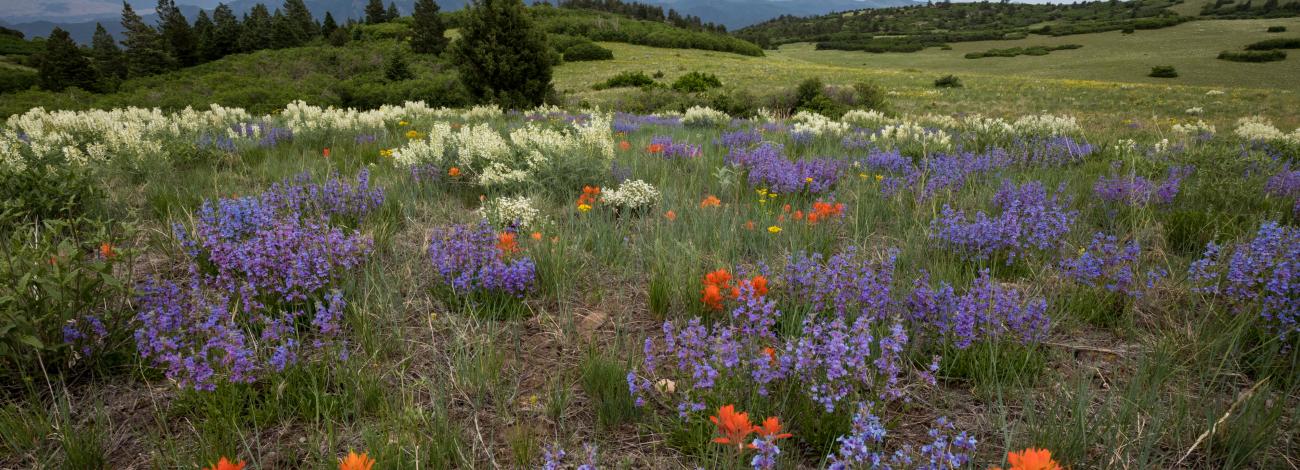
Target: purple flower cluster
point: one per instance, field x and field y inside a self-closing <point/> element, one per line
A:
<point x="1263" y="274"/>
<point x="986" y="311"/>
<point x="425" y="173"/>
<point x="1049" y="152"/>
<point x="467" y="259"/>
<point x="739" y="139"/>
<point x="629" y="123"/>
<point x="768" y="166"/>
<point x="1286" y="184"/>
<point x="218" y="142"/>
<point x="846" y="283"/>
<point x="260" y="281"/>
<point x="1107" y="263"/>
<point x="1027" y="219"/>
<point x="1133" y="190"/>
<point x="553" y="458"/>
<point x="670" y="150"/>
<point x="863" y="446"/>
<point x="267" y="134"/>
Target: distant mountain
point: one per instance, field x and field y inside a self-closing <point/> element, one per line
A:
<point x="78" y="17"/>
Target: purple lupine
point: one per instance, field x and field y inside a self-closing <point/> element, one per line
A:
<point x="1028" y="220"/>
<point x="467" y="259"/>
<point x="739" y="139"/>
<point x="1262" y="274"/>
<point x="670" y="150"/>
<point x="1285" y="184"/>
<point x="633" y="122"/>
<point x="1134" y="190"/>
<point x="1107" y="263"/>
<point x="765" y="455"/>
<point x="1049" y="152"/>
<point x="986" y="311"/>
<point x="846" y="283"/>
<point x="768" y="166"/>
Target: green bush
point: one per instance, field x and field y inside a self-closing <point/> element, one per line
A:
<point x="62" y="302"/>
<point x="626" y="79"/>
<point x="396" y="69"/>
<point x="948" y="81"/>
<point x="1018" y="51"/>
<point x="694" y="82"/>
<point x="381" y="31"/>
<point x="869" y="95"/>
<point x="1271" y="44"/>
<point x="1163" y="71"/>
<point x="1253" y="56"/>
<point x="16" y="80"/>
<point x="1276" y="29"/>
<point x="587" y="52"/>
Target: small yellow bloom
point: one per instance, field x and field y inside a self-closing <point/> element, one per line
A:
<point x="762" y="191"/>
<point x="808" y="179"/>
<point x="771" y="195"/>
<point x="862" y="175"/>
<point x="880" y="178"/>
<point x="412" y="134"/>
<point x="584" y="207"/>
<point x="774" y="229"/>
<point x="402" y="123"/>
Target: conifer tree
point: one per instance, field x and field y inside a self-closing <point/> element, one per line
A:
<point x="225" y="32"/>
<point x="301" y="19"/>
<point x="328" y="26"/>
<point x="145" y="52"/>
<point x="375" y="13"/>
<point x="177" y="34"/>
<point x="502" y="56"/>
<point x="62" y="65"/>
<point x="107" y="58"/>
<point x="428" y="34"/>
<point x="256" y="31"/>
<point x="392" y="14"/>
<point x="284" y="33"/>
<point x="203" y="36"/>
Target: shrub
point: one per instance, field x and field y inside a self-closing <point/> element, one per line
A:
<point x="1017" y="51"/>
<point x="16" y="80"/>
<point x="1271" y="44"/>
<point x="396" y="69"/>
<point x="586" y="52"/>
<point x="1277" y="29"/>
<point x="1163" y="71"/>
<point x="1126" y="31"/>
<point x="1253" y="56"/>
<point x="811" y="96"/>
<point x="948" y="81"/>
<point x="870" y="96"/>
<point x="694" y="82"/>
<point x="626" y="79"/>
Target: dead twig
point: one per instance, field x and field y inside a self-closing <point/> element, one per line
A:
<point x="1221" y="420"/>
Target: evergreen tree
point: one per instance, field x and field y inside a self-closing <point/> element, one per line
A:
<point x="392" y="14"/>
<point x="428" y="34"/>
<point x="256" y="34"/>
<point x="146" y="54"/>
<point x="203" y="35"/>
<point x="177" y="34"/>
<point x="225" y="33"/>
<point x="396" y="69"/>
<point x="502" y="56"/>
<point x="284" y="33"/>
<point x="62" y="65"/>
<point x="328" y="27"/>
<point x="375" y="13"/>
<point x="107" y="58"/>
<point x="301" y="19"/>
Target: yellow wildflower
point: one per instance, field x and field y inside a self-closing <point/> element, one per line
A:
<point x="584" y="207"/>
<point x="774" y="229"/>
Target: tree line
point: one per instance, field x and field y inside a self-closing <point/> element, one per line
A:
<point x="174" y="42"/>
<point x="642" y="11"/>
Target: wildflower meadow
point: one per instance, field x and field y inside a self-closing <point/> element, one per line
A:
<point x="580" y="288"/>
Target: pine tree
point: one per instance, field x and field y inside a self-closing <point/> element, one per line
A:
<point x="392" y="14"/>
<point x="502" y="56"/>
<point x="375" y="13"/>
<point x="225" y="33"/>
<point x="428" y="34"/>
<point x="146" y="54"/>
<point x="106" y="58"/>
<point x="203" y="35"/>
<point x="301" y="19"/>
<point x="256" y="34"/>
<point x="396" y="69"/>
<point x="62" y="65"/>
<point x="177" y="34"/>
<point x="328" y="26"/>
<point x="284" y="33"/>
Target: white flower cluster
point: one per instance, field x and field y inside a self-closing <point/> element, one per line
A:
<point x="812" y="123"/>
<point x="700" y="116"/>
<point x="632" y="195"/>
<point x="482" y="113"/>
<point x="1214" y="93"/>
<point x="1194" y="128"/>
<point x="938" y="120"/>
<point x="912" y="134"/>
<point x="765" y="115"/>
<point x="1195" y="110"/>
<point x="517" y="211"/>
<point x="986" y="126"/>
<point x="1046" y="125"/>
<point x="868" y="118"/>
<point x="1257" y="128"/>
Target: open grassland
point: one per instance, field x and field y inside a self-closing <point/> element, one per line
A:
<point x="1112" y="56"/>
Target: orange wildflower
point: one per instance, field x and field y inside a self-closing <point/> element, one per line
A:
<point x="537" y="235"/>
<point x="106" y="250"/>
<point x="655" y="148"/>
<point x="670" y="215"/>
<point x="710" y="201"/>
<point x="1031" y="459"/>
<point x="785" y="208"/>
<point x="355" y="461"/>
<point x="749" y="225"/>
<point x="506" y="243"/>
<point x="453" y="172"/>
<point x="798" y="215"/>
<point x="719" y="278"/>
<point x="760" y="285"/>
<point x="771" y="354"/>
<point x="771" y="428"/>
<point x="226" y="464"/>
<point x="732" y="425"/>
<point x="588" y="197"/>
<point x="326" y="152"/>
<point x="712" y="297"/>
<point x="624" y="146"/>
